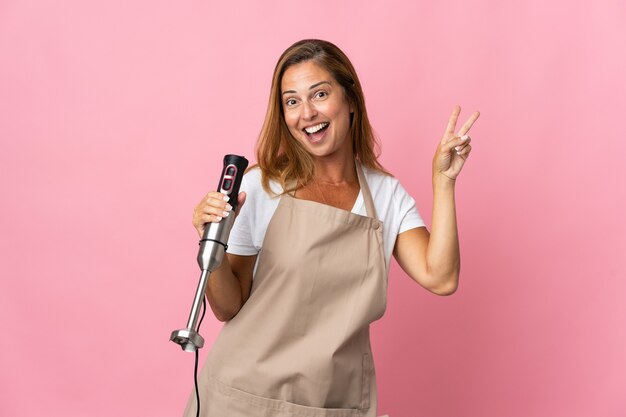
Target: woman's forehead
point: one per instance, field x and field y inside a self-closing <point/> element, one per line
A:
<point x="304" y="75"/>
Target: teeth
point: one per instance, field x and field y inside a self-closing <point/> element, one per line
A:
<point x="316" y="128"/>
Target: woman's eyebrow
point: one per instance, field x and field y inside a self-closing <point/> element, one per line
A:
<point x="310" y="88"/>
<point x="317" y="84"/>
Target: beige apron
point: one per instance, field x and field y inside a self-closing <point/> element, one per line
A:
<point x="300" y="346"/>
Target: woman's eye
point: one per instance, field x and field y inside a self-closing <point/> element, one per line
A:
<point x="290" y="102"/>
<point x="321" y="94"/>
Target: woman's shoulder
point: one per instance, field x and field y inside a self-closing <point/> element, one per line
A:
<point x="253" y="186"/>
<point x="380" y="180"/>
<point x="387" y="189"/>
<point x="252" y="175"/>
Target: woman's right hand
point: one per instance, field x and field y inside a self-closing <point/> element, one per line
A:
<point x="213" y="208"/>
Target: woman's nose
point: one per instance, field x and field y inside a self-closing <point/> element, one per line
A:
<point x="308" y="111"/>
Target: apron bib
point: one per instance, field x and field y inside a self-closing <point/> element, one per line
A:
<point x="300" y="344"/>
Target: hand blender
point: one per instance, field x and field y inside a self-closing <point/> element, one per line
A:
<point x="212" y="247"/>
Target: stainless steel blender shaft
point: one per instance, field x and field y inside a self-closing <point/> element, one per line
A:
<point x="212" y="247"/>
<point x="210" y="256"/>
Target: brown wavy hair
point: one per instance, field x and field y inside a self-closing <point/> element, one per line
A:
<point x="283" y="159"/>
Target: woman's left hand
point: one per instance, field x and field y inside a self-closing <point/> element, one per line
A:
<point x="454" y="148"/>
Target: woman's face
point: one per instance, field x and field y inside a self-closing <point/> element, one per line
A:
<point x="316" y="110"/>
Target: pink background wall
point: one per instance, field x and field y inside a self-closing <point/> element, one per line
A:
<point x="114" y="117"/>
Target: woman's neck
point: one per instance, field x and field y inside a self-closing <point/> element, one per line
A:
<point x="335" y="171"/>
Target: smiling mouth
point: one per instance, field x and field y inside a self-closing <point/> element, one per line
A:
<point x="315" y="133"/>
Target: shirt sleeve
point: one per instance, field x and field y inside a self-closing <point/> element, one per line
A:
<point x="408" y="214"/>
<point x="240" y="240"/>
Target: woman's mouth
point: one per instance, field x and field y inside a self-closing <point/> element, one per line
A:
<point x="317" y="132"/>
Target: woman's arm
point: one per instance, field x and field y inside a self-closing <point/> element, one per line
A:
<point x="433" y="259"/>
<point x="229" y="285"/>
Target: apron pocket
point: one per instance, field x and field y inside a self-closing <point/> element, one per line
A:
<point x="244" y="402"/>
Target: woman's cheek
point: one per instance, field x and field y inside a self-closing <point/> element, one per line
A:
<point x="292" y="124"/>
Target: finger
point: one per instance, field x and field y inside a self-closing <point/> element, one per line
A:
<point x="203" y="219"/>
<point x="463" y="153"/>
<point x="217" y="196"/>
<point x="217" y="201"/>
<point x="456" y="141"/>
<point x="217" y="211"/>
<point x="468" y="124"/>
<point x="452" y="120"/>
<point x="462" y="143"/>
<point x="218" y="208"/>
<point x="241" y="199"/>
<point x="210" y="218"/>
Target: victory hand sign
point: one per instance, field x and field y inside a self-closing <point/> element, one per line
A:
<point x="433" y="259"/>
<point x="454" y="148"/>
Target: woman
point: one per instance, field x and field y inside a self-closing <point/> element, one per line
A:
<point x="322" y="219"/>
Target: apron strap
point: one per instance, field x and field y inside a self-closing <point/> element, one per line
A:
<point x="365" y="189"/>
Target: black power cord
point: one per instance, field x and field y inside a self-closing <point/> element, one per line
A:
<point x="195" y="368"/>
